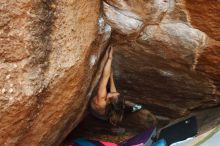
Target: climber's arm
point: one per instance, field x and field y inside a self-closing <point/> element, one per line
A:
<point x="112" y="83"/>
<point x="102" y="91"/>
<point x="113" y="91"/>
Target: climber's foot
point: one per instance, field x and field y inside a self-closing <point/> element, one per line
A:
<point x="132" y="107"/>
<point x="136" y="107"/>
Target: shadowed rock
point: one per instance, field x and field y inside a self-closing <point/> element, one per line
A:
<point x="165" y="65"/>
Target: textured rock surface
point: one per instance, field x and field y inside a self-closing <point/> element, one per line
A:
<point x="208" y="22"/>
<point x="49" y="54"/>
<point x="171" y="62"/>
<point x="166" y="57"/>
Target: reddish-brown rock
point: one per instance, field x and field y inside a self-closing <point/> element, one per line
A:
<point x="166" y="58"/>
<point x="49" y="56"/>
<point x="204" y="15"/>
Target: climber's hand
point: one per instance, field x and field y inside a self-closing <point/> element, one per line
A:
<point x="112" y="96"/>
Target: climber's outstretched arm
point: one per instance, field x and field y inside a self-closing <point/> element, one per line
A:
<point x="112" y="83"/>
<point x="102" y="88"/>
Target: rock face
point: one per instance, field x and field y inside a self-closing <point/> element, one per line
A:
<point x="50" y="54"/>
<point x="51" y="57"/>
<point x="167" y="55"/>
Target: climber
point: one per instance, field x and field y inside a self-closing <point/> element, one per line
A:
<point x="110" y="106"/>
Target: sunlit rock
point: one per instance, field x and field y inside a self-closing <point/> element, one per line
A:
<point x="125" y="22"/>
<point x="50" y="52"/>
<point x="181" y="39"/>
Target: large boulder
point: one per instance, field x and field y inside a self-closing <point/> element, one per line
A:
<point x="168" y="59"/>
<point x="49" y="58"/>
<point x="52" y="54"/>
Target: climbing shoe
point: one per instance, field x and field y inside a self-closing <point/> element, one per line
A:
<point x="131" y="107"/>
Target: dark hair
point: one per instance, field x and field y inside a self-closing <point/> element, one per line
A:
<point x="115" y="111"/>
